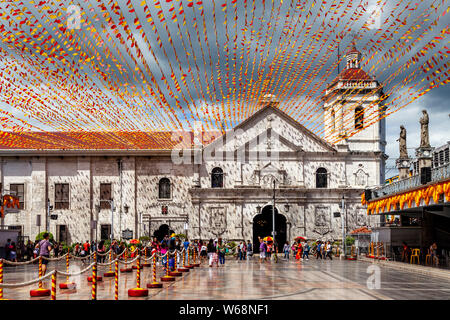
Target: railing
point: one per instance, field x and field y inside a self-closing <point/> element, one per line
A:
<point x="439" y="173"/>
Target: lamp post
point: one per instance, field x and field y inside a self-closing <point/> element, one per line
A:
<point x="125" y="209"/>
<point x="343" y="225"/>
<point x="49" y="208"/>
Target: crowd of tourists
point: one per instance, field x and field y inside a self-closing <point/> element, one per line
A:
<point x="26" y="251"/>
<point x="302" y="249"/>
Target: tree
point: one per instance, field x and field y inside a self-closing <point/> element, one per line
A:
<point x="40" y="236"/>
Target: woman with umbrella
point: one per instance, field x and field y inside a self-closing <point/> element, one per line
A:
<point x="269" y="243"/>
<point x="299" y="240"/>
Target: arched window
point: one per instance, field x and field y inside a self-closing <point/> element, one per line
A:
<point x="217" y="178"/>
<point x="359" y="118"/>
<point x="321" y="178"/>
<point x="333" y="121"/>
<point x="164" y="188"/>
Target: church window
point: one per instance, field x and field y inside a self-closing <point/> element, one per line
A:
<point x="62" y="196"/>
<point x="105" y="194"/>
<point x="18" y="191"/>
<point x="217" y="178"/>
<point x="359" y="118"/>
<point x="333" y="121"/>
<point x="321" y="178"/>
<point x="164" y="188"/>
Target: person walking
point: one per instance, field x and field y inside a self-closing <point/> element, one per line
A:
<point x="241" y="251"/>
<point x="269" y="250"/>
<point x="186" y="248"/>
<point x="221" y="248"/>
<point x="249" y="250"/>
<point x="7" y="249"/>
<point x="101" y="250"/>
<point x="329" y="249"/>
<point x="203" y="252"/>
<point x="162" y="251"/>
<point x="319" y="250"/>
<point x="286" y="249"/>
<point x="29" y="250"/>
<point x="298" y="255"/>
<point x="44" y="247"/>
<point x="13" y="252"/>
<point x="306" y="249"/>
<point x="56" y="250"/>
<point x="262" y="250"/>
<point x="212" y="250"/>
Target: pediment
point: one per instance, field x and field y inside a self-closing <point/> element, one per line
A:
<point x="270" y="129"/>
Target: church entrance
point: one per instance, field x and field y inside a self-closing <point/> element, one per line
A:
<point x="262" y="227"/>
<point x="162" y="231"/>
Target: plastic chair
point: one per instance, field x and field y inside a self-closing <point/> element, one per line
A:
<point x="415" y="254"/>
<point x="428" y="259"/>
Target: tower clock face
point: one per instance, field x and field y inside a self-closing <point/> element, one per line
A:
<point x="405" y="163"/>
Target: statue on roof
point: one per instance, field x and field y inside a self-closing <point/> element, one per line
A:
<point x="402" y="143"/>
<point x="424" y="135"/>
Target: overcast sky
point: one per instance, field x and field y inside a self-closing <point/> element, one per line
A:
<point x="260" y="35"/>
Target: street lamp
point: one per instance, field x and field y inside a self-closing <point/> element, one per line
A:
<point x="49" y="208"/>
<point x="342" y="206"/>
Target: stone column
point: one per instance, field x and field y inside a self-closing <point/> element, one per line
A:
<point x="39" y="203"/>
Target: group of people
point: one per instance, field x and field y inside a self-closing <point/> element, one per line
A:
<point x="432" y="250"/>
<point x="301" y="250"/>
<point x="24" y="252"/>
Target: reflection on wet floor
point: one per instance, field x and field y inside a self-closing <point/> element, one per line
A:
<point x="297" y="280"/>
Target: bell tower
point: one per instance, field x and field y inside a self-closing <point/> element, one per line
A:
<point x="353" y="110"/>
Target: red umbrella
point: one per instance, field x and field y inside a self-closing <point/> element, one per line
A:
<point x="268" y="239"/>
<point x="300" y="238"/>
<point x="134" y="241"/>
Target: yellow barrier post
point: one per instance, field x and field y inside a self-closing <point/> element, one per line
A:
<point x="1" y="279"/>
<point x="167" y="277"/>
<point x="53" y="297"/>
<point x="138" y="291"/>
<point x="40" y="291"/>
<point x="116" y="280"/>
<point x="154" y="283"/>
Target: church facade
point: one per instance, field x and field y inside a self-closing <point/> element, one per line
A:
<point x="217" y="187"/>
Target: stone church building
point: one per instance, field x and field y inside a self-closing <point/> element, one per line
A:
<point x="221" y="186"/>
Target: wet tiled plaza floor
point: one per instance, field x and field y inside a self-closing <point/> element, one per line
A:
<point x="285" y="280"/>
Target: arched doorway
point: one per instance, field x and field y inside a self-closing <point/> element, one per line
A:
<point x="162" y="231"/>
<point x="262" y="227"/>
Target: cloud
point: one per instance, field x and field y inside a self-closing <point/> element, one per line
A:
<point x="436" y="104"/>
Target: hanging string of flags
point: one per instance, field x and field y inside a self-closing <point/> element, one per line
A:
<point x="125" y="74"/>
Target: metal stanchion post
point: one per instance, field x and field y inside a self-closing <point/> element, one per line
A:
<point x="40" y="291"/>
<point x="154" y="283"/>
<point x="94" y="281"/>
<point x="67" y="284"/>
<point x="167" y="277"/>
<point x="175" y="273"/>
<point x="138" y="291"/>
<point x="53" y="297"/>
<point x="109" y="273"/>
<point x="98" y="278"/>
<point x="116" y="280"/>
<point x="1" y="279"/>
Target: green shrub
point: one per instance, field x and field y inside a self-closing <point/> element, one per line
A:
<point x="349" y="241"/>
<point x="40" y="236"/>
<point x="144" y="238"/>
